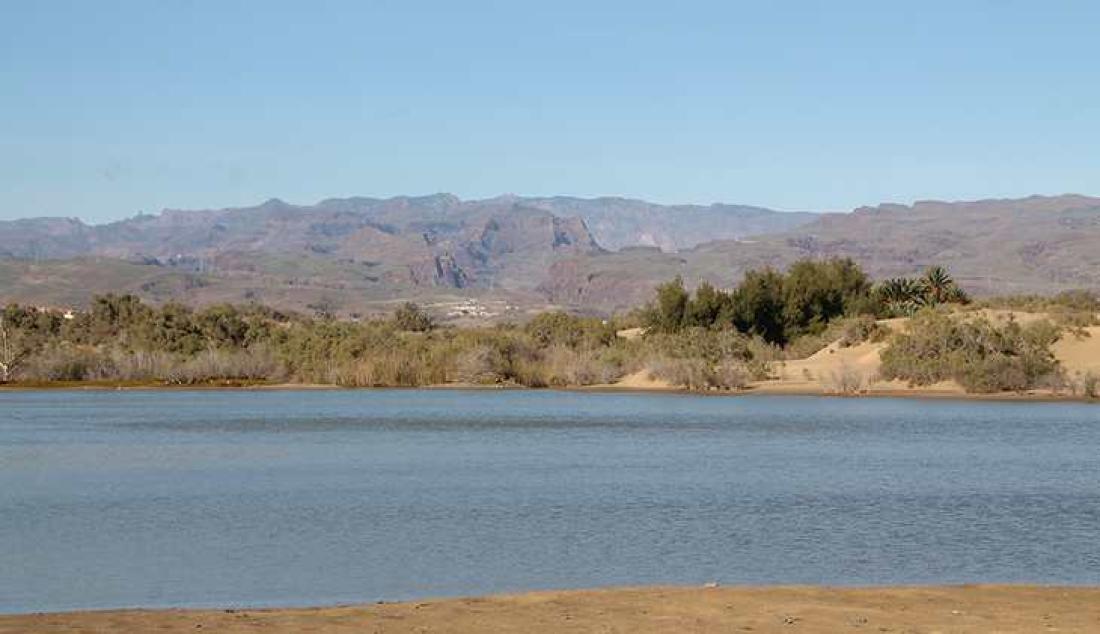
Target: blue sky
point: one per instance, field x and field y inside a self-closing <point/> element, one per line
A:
<point x="108" y="108"/>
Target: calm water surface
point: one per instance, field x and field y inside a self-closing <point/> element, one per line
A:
<point x="111" y="499"/>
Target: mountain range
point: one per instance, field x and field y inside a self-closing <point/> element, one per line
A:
<point x="355" y="255"/>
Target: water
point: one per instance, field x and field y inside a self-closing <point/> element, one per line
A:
<point x="208" y="498"/>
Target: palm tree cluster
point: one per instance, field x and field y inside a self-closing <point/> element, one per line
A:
<point x="907" y="295"/>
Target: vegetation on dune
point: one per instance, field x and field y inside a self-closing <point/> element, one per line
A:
<point x="709" y="339"/>
<point x="978" y="354"/>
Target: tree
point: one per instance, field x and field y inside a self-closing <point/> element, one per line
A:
<point x="669" y="313"/>
<point x="758" y="305"/>
<point x="411" y="317"/>
<point x="938" y="286"/>
<point x="899" y="295"/>
<point x="816" y="292"/>
<point x="110" y="314"/>
<point x="173" y="328"/>
<point x="708" y="307"/>
<point x="905" y="295"/>
<point x="223" y="326"/>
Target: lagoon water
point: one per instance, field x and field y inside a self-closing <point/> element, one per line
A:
<point x="222" y="498"/>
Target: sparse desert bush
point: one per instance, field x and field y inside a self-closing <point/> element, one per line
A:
<point x="1074" y="320"/>
<point x="860" y="329"/>
<point x="564" y="367"/>
<point x="1085" y="385"/>
<point x="479" y="365"/>
<point x="257" y="364"/>
<point x="732" y="375"/>
<point x="65" y="362"/>
<point x="845" y="380"/>
<point x="698" y="374"/>
<point x="1090" y="385"/>
<point x="980" y="355"/>
<point x="700" y="343"/>
<point x="411" y="317"/>
<point x="141" y="365"/>
<point x="1074" y="301"/>
<point x="397" y="367"/>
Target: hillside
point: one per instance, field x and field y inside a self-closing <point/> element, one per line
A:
<point x="360" y="254"/>
<point x="1032" y="245"/>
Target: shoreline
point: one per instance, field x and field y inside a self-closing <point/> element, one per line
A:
<point x="756" y="389"/>
<point x="813" y="609"/>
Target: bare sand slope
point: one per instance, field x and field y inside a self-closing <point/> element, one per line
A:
<point x="812" y="610"/>
<point x="1080" y="355"/>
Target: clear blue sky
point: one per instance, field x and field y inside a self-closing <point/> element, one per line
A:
<point x="107" y="108"/>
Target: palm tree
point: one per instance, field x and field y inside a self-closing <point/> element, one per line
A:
<point x="900" y="290"/>
<point x="901" y="295"/>
<point x="937" y="284"/>
<point x="939" y="287"/>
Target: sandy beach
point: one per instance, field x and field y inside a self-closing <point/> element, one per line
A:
<point x="912" y="610"/>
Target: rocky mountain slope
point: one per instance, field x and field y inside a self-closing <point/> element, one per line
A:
<point x="1030" y="245"/>
<point x="595" y="254"/>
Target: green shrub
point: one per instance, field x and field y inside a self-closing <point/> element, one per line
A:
<point x="980" y="355"/>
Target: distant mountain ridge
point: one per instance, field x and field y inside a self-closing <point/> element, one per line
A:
<point x="593" y="254"/>
<point x="614" y="223"/>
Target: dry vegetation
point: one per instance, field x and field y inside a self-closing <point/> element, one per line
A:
<point x="822" y="321"/>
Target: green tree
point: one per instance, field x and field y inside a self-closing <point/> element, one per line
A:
<point x="708" y="308"/>
<point x="816" y="292"/>
<point x="112" y="314"/>
<point x="758" y="305"/>
<point x="222" y="326"/>
<point x="172" y="328"/>
<point x="937" y="285"/>
<point x="670" y="310"/>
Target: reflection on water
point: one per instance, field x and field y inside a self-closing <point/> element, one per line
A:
<point x="112" y="499"/>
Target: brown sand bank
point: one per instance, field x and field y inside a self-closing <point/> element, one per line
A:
<point x="639" y="611"/>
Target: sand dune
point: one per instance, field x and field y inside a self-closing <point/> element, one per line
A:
<point x="854" y="369"/>
<point x="1080" y="355"/>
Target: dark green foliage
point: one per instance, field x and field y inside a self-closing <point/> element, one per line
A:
<point x="759" y="305"/>
<point x="775" y="306"/>
<point x="709" y="307"/>
<point x="904" y="296"/>
<point x="670" y="310"/>
<point x="817" y="292"/>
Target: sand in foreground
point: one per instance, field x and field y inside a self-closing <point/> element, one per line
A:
<point x="640" y="610"/>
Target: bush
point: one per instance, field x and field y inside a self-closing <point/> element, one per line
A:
<point x="981" y="356"/>
<point x="412" y="318"/>
<point x="480" y="365"/>
<point x="860" y="329"/>
<point x="1090" y="386"/>
<point x="698" y="374"/>
<point x="845" y="380"/>
<point x="565" y="366"/>
<point x="258" y="364"/>
<point x="66" y="362"/>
